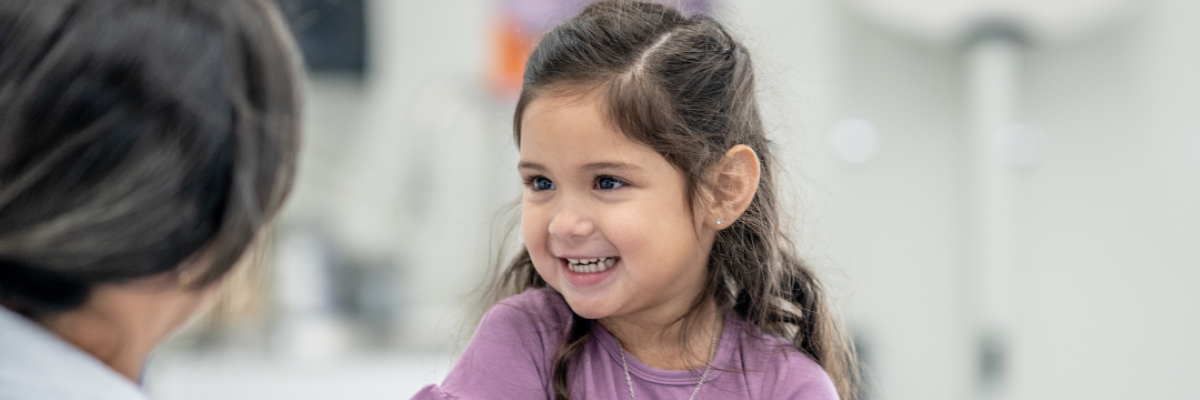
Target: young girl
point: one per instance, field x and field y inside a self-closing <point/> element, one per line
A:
<point x="654" y="264"/>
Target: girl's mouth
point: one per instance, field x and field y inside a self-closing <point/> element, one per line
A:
<point x="591" y="265"/>
<point x="584" y="272"/>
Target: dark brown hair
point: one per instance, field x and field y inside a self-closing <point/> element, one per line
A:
<point x="685" y="87"/>
<point x="135" y="134"/>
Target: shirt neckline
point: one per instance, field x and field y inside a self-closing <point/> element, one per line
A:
<point x="723" y="357"/>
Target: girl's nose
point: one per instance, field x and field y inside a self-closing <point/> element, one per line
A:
<point x="570" y="224"/>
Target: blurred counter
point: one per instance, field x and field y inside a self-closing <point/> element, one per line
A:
<point x="233" y="376"/>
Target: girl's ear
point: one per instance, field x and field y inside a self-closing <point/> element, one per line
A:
<point x="735" y="184"/>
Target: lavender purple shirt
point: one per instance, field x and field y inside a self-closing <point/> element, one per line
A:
<point x="511" y="357"/>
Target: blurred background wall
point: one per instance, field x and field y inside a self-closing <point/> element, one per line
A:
<point x="408" y="160"/>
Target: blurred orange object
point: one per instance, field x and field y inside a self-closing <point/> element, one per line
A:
<point x="511" y="47"/>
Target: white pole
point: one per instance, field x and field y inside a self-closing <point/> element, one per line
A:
<point x="993" y="63"/>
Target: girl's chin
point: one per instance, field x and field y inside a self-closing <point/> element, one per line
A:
<point x="588" y="309"/>
<point x="590" y="314"/>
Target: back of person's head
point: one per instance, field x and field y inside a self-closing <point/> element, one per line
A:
<point x="135" y="137"/>
<point x="686" y="88"/>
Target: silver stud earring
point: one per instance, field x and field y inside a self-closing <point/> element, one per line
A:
<point x="718" y="221"/>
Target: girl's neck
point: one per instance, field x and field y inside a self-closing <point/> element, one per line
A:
<point x="658" y="343"/>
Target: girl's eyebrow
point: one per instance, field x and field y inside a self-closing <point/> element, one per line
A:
<point x="590" y="167"/>
<point x="612" y="166"/>
<point x="529" y="165"/>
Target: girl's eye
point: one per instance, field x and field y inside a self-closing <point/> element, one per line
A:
<point x="540" y="183"/>
<point x="608" y="183"/>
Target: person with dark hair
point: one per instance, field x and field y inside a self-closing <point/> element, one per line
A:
<point x="655" y="263"/>
<point x="144" y="146"/>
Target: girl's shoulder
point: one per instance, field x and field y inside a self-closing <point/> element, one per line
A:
<point x="779" y="368"/>
<point x="545" y="300"/>
<point x="510" y="355"/>
<point x="539" y="311"/>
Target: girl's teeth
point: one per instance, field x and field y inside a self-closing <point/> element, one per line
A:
<point x="591" y="265"/>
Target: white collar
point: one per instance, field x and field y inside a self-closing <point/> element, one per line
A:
<point x="37" y="364"/>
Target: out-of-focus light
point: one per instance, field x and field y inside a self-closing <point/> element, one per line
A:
<point x="1019" y="145"/>
<point x="312" y="337"/>
<point x="854" y="140"/>
<point x="949" y="21"/>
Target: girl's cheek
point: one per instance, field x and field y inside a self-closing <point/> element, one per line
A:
<point x="528" y="217"/>
<point x="534" y="233"/>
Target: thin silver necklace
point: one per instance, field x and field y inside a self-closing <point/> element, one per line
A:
<point x="712" y="352"/>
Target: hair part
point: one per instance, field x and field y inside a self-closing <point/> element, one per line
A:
<point x="686" y="88"/>
<point x="138" y="134"/>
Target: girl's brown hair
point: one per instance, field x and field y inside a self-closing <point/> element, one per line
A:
<point x="686" y="88"/>
<point x="135" y="134"/>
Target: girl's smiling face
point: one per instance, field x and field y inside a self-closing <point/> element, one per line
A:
<point x="606" y="219"/>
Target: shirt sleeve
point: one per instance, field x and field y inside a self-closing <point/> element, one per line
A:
<point x="803" y="379"/>
<point x="509" y="356"/>
<point x="432" y="392"/>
